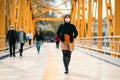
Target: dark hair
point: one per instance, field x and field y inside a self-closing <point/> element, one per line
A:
<point x="67" y="15"/>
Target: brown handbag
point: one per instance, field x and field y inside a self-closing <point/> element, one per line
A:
<point x="67" y="38"/>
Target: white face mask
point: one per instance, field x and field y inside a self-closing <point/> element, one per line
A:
<point x="11" y="28"/>
<point x="67" y="20"/>
<point x="21" y="29"/>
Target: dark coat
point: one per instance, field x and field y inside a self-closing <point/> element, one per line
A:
<point x="12" y="36"/>
<point x="24" y="36"/>
<point x="38" y="37"/>
<point x="69" y="29"/>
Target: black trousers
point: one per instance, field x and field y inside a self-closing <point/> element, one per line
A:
<point x="66" y="58"/>
<point x="29" y="41"/>
<point x="57" y="44"/>
<point x="21" y="48"/>
<point x="12" y="49"/>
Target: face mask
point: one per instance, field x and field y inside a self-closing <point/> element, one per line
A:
<point x="21" y="29"/>
<point x="11" y="28"/>
<point x="67" y="20"/>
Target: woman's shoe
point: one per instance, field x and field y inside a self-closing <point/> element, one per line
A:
<point x="66" y="72"/>
<point x="20" y="54"/>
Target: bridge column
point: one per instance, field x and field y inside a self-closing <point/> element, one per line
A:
<point x="2" y="23"/>
<point x="99" y="32"/>
<point x="30" y="22"/>
<point x="73" y="13"/>
<point x="83" y="23"/>
<point x="12" y="12"/>
<point x="89" y="27"/>
<point x="78" y="18"/>
<point x="117" y="25"/>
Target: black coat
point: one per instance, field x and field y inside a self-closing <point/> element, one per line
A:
<point x="38" y="37"/>
<point x="69" y="29"/>
<point x="12" y="36"/>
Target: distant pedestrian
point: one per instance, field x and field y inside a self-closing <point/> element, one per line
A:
<point x="22" y="39"/>
<point x="57" y="41"/>
<point x="38" y="38"/>
<point x="12" y="38"/>
<point x="67" y="33"/>
<point x="29" y="37"/>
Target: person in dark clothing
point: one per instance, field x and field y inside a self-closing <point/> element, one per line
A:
<point x="12" y="38"/>
<point x="39" y="39"/>
<point x="22" y="39"/>
<point x="67" y="33"/>
<point x="57" y="41"/>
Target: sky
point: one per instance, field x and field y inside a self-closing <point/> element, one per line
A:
<point x="68" y="6"/>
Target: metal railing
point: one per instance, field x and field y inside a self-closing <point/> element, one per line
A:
<point x="105" y="42"/>
<point x="3" y="44"/>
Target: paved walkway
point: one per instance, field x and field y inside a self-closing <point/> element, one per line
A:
<point x="48" y="65"/>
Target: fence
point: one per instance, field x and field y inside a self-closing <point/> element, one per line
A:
<point x="106" y="44"/>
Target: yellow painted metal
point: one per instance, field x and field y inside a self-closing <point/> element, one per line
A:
<point x="78" y="18"/>
<point x="48" y="19"/>
<point x="2" y="23"/>
<point x="12" y="13"/>
<point x="49" y="8"/>
<point x="46" y="9"/>
<point x="109" y="17"/>
<point x="73" y="13"/>
<point x="116" y="26"/>
<point x="113" y="25"/>
<point x="99" y="30"/>
<point x="21" y="15"/>
<point x="30" y="25"/>
<point x="89" y="32"/>
<point x="83" y="24"/>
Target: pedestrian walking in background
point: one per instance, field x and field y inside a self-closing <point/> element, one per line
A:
<point x="22" y="39"/>
<point x="30" y="37"/>
<point x="38" y="38"/>
<point x="12" y="38"/>
<point x="57" y="41"/>
<point x="67" y="33"/>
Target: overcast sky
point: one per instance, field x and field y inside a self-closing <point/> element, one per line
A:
<point x="68" y="6"/>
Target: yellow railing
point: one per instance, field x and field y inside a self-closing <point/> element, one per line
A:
<point x="109" y="44"/>
<point x="3" y="45"/>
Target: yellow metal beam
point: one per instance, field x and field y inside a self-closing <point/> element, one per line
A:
<point x="48" y="19"/>
<point x="12" y="13"/>
<point x="45" y="9"/>
<point x="61" y="3"/>
<point x="116" y="26"/>
<point x="110" y="23"/>
<point x="53" y="8"/>
<point x="41" y="3"/>
<point x="73" y="12"/>
<point x="99" y="29"/>
<point x="83" y="31"/>
<point x="89" y="30"/>
<point x="78" y="18"/>
<point x="30" y="25"/>
<point x="109" y="17"/>
<point x="2" y="23"/>
<point x="117" y="18"/>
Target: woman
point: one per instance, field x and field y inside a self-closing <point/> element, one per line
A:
<point x="67" y="33"/>
<point x="39" y="38"/>
<point x="22" y="38"/>
<point x="29" y="37"/>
